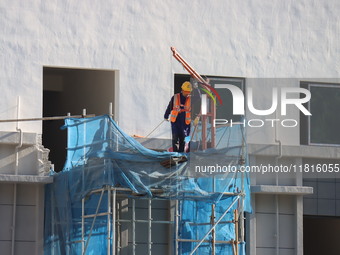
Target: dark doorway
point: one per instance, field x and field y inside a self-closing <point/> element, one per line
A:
<point x="321" y="235"/>
<point x="69" y="90"/>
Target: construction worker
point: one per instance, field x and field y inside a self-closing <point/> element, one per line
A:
<point x="179" y="110"/>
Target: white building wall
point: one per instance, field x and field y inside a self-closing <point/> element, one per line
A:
<point x="244" y="39"/>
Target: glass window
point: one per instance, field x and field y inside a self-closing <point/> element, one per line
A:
<point x="323" y="125"/>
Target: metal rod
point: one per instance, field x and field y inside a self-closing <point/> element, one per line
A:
<point x="155" y="128"/>
<point x="176" y="226"/>
<point x="108" y="221"/>
<point x="133" y="227"/>
<point x="240" y="216"/>
<point x="243" y="161"/>
<point x="213" y="227"/>
<point x="114" y="197"/>
<point x="83" y="226"/>
<point x="93" y="215"/>
<point x="236" y="230"/>
<point x="212" y="220"/>
<point x="146" y="221"/>
<point x="84" y="138"/>
<point x="160" y="191"/>
<point x="54" y="220"/>
<point x="94" y="220"/>
<point x="204" y="132"/>
<point x="242" y="212"/>
<point x="234" y="251"/>
<point x="16" y="170"/>
<point x="84" y="157"/>
<point x="118" y="189"/>
<point x="149" y="227"/>
<point x="113" y="222"/>
<point x="197" y="217"/>
<point x="213" y="127"/>
<point x="49" y="118"/>
<point x="110" y="109"/>
<point x="205" y="241"/>
<point x="213" y="234"/>
<point x="194" y="74"/>
<point x="118" y="227"/>
<point x="208" y="223"/>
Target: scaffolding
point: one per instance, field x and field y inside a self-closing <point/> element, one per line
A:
<point x="105" y="167"/>
<point x="114" y="197"/>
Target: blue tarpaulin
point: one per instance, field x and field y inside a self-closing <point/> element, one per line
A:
<point x="100" y="154"/>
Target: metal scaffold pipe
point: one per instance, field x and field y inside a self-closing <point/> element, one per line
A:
<point x="49" y="118"/>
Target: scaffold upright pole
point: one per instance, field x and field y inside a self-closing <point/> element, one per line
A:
<point x="82" y="225"/>
<point x="114" y="221"/>
<point x="149" y="227"/>
<point x="109" y="221"/>
<point x="133" y="226"/>
<point x="214" y="226"/>
<point x="176" y="226"/>
<point x="213" y="234"/>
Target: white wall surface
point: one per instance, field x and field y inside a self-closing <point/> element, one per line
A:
<point x="251" y="38"/>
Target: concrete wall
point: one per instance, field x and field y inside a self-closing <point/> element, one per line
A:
<point x="24" y="202"/>
<point x="26" y="156"/>
<point x="244" y="39"/>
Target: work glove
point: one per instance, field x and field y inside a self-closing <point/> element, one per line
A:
<point x="196" y="121"/>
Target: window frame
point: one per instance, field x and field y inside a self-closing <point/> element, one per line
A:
<point x="306" y="120"/>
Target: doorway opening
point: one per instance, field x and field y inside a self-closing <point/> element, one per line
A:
<point x="70" y="90"/>
<point x="320" y="235"/>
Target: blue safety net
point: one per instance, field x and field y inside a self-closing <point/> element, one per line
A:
<point x="100" y="154"/>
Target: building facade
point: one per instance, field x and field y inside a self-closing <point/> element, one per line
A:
<point x="61" y="57"/>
